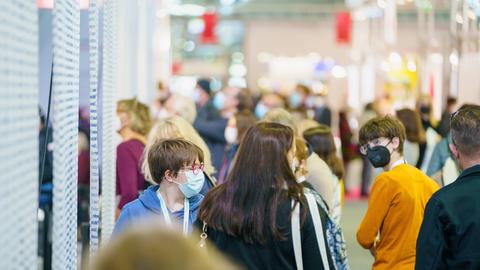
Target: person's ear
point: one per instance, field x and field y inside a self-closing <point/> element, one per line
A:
<point x="454" y="150"/>
<point x="396" y="143"/>
<point x="303" y="164"/>
<point x="168" y="175"/>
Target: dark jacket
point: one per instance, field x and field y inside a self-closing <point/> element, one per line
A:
<point x="48" y="170"/>
<point x="323" y="115"/>
<point x="211" y="127"/>
<point x="147" y="206"/>
<point x="450" y="234"/>
<point x="275" y="254"/>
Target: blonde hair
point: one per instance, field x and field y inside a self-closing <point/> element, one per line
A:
<point x="138" y="113"/>
<point x="176" y="127"/>
<point x="280" y="116"/>
<point x="153" y="246"/>
<point x="184" y="107"/>
<point x="301" y="154"/>
<point x="306" y="124"/>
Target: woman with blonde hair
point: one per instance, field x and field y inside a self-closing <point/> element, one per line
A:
<point x="134" y="123"/>
<point x="176" y="127"/>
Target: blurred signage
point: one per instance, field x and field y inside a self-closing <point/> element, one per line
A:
<point x="343" y="27"/>
<point x="210" y="22"/>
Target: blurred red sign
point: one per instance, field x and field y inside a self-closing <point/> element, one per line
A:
<point x="210" y="22"/>
<point x="343" y="27"/>
<point x="176" y="67"/>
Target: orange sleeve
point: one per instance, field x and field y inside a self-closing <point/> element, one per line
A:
<point x="378" y="205"/>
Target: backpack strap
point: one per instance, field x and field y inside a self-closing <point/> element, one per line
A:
<point x="296" y="238"/>
<point x="317" y="223"/>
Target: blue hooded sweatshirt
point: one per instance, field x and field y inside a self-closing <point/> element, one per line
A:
<point x="147" y="206"/>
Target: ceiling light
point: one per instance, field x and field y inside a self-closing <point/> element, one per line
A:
<point x="187" y="10"/>
<point x="339" y="72"/>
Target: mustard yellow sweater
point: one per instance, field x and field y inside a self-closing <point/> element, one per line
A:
<point x="395" y="213"/>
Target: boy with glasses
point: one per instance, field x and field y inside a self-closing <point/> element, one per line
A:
<point x="176" y="165"/>
<point x="450" y="233"/>
<point x="397" y="199"/>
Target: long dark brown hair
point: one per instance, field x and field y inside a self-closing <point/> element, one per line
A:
<point x="413" y="125"/>
<point x="256" y="183"/>
<point x="321" y="140"/>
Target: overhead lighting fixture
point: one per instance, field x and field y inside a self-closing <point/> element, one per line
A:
<point x="237" y="70"/>
<point x="189" y="46"/>
<point x="187" y="10"/>
<point x="264" y="57"/>
<point x="454" y="58"/>
<point x="227" y="2"/>
<point x="237" y="82"/>
<point x="237" y="57"/>
<point x="339" y="72"/>
<point x="196" y="26"/>
<point x="395" y="58"/>
<point x="382" y="4"/>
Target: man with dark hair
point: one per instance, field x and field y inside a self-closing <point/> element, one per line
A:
<point x="450" y="233"/>
<point x="211" y="125"/>
<point x="398" y="197"/>
<point x="202" y="92"/>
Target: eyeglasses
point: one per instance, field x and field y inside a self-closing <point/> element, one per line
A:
<point x="365" y="147"/>
<point x="453" y="115"/>
<point x="195" y="168"/>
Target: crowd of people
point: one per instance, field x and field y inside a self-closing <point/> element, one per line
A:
<point x="260" y="183"/>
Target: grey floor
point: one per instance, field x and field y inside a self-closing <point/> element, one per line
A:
<point x="353" y="211"/>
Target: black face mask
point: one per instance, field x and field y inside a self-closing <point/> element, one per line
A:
<point x="379" y="156"/>
<point x="424" y="109"/>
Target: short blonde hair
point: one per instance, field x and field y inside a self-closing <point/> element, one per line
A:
<point x="176" y="127"/>
<point x="155" y="246"/>
<point x="183" y="107"/>
<point x="138" y="113"/>
<point x="306" y="124"/>
<point x="280" y="116"/>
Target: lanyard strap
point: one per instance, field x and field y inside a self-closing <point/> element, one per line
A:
<point x="166" y="213"/>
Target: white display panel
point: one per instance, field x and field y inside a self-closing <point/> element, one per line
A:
<point x="108" y="114"/>
<point x="19" y="127"/>
<point x="66" y="40"/>
<point x="94" y="162"/>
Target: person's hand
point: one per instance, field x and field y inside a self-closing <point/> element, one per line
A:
<point x="117" y="213"/>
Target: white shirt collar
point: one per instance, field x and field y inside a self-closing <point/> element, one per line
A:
<point x="301" y="179"/>
<point x="398" y="162"/>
